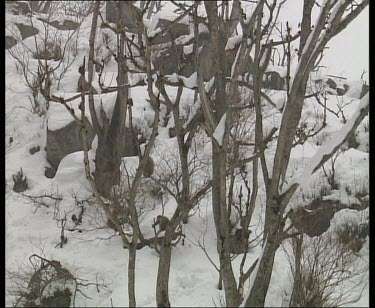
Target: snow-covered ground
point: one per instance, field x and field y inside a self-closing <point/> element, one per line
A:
<point x="96" y="253"/>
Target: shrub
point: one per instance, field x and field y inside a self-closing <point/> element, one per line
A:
<point x="48" y="284"/>
<point x="325" y="273"/>
<point x="352" y="234"/>
<point x="51" y="51"/>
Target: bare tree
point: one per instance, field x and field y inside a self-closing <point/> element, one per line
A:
<point x="220" y="115"/>
<point x="54" y="52"/>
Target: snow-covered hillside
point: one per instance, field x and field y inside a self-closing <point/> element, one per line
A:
<point x="93" y="251"/>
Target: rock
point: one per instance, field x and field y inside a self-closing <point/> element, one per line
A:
<point x="10" y="41"/>
<point x="49" y="172"/>
<point x="52" y="276"/>
<point x="315" y="218"/>
<point x="10" y="140"/>
<point x="352" y="141"/>
<point x="172" y="59"/>
<point x="26" y="31"/>
<point x="365" y="89"/>
<point x="33" y="150"/>
<point x="340" y="91"/>
<point x="112" y="15"/>
<point x="64" y="26"/>
<point x="174" y="30"/>
<point x="66" y="140"/>
<point x="18" y="7"/>
<point x="60" y="298"/>
<point x="331" y="83"/>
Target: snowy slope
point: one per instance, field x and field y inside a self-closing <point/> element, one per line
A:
<point x="96" y="253"/>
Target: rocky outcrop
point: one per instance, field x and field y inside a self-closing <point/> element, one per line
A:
<point x="10" y="41"/>
<point x="18" y="7"/>
<point x="315" y="218"/>
<point x="26" y="30"/>
<point x="66" y="140"/>
<point x="112" y="15"/>
<point x="175" y="59"/>
<point x="64" y="25"/>
<point x="172" y="30"/>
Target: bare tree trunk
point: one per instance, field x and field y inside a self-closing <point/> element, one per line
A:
<point x="297" y="270"/>
<point x="112" y="136"/>
<point x="162" y="290"/>
<point x="131" y="269"/>
<point x="219" y="157"/>
<point x="263" y="276"/>
<point x="305" y="24"/>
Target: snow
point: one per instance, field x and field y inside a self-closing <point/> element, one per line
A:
<point x="209" y="84"/>
<point x="190" y="82"/>
<point x="58" y="117"/>
<point x="219" y="130"/>
<point x="281" y="70"/>
<point x="327" y="148"/>
<point x="250" y="281"/>
<point x="233" y="42"/>
<point x="188" y="49"/>
<point x="96" y="254"/>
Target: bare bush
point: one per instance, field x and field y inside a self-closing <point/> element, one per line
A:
<point x="352" y="234"/>
<point x="325" y="273"/>
<point x="45" y="283"/>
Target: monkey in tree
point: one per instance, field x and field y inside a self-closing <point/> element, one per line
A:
<point x="162" y="221"/>
<point x="149" y="168"/>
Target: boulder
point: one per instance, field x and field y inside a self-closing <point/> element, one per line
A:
<point x="26" y="31"/>
<point x="331" y="83"/>
<point x="66" y="140"/>
<point x="365" y="89"/>
<point x="172" y="31"/>
<point x="64" y="25"/>
<point x="35" y="149"/>
<point x="112" y="15"/>
<point x="172" y="59"/>
<point x="50" y="285"/>
<point x="10" y="41"/>
<point x="49" y="172"/>
<point x="18" y="7"/>
<point x="315" y="218"/>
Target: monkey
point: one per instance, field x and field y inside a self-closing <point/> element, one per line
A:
<point x="149" y="168"/>
<point x="162" y="221"/>
<point x="121" y="213"/>
<point x="81" y="69"/>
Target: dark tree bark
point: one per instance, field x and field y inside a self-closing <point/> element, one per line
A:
<point x="219" y="156"/>
<point x="305" y="24"/>
<point x="111" y="136"/>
